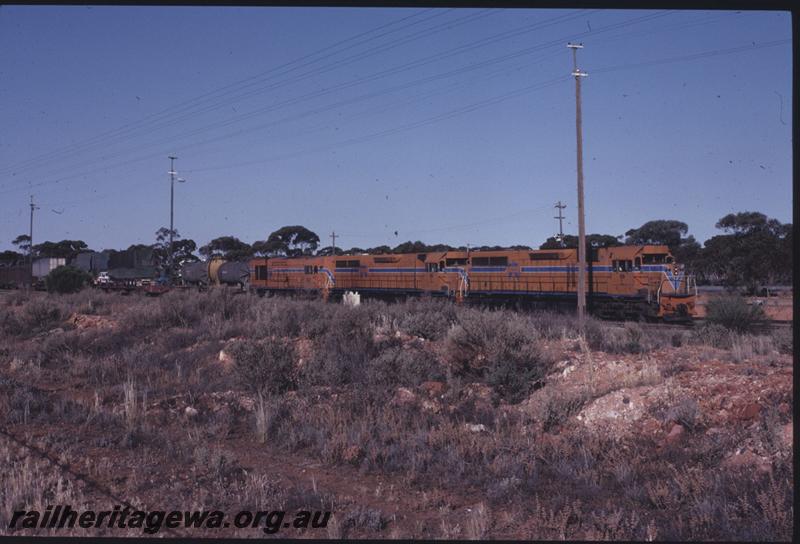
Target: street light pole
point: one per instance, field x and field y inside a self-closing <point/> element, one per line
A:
<point x="581" y="223"/>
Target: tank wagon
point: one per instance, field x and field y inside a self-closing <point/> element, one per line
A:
<point x="216" y="272"/>
<point x="624" y="281"/>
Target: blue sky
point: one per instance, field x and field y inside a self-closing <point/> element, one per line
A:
<point x="446" y="125"/>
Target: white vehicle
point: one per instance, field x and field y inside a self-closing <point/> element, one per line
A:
<point x="103" y="278"/>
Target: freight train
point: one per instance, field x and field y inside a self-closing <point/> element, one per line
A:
<point x="622" y="282"/>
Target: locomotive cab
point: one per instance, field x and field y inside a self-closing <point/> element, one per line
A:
<point x="676" y="292"/>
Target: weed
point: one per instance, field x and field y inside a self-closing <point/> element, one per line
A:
<point x="734" y="313"/>
<point x="265" y="366"/>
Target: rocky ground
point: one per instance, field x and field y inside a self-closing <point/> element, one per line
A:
<point x="406" y="421"/>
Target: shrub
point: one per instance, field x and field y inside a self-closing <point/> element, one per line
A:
<point x="397" y="366"/>
<point x="344" y="349"/>
<point x="713" y="334"/>
<point x="10" y="324"/>
<point x="66" y="279"/>
<point x="266" y="366"/>
<point x="553" y="325"/>
<point x="733" y="313"/>
<point x="427" y="319"/>
<point x="500" y="347"/>
<point x="684" y="410"/>
<point x="40" y="314"/>
<point x="554" y="407"/>
<point x="782" y="340"/>
<point x="632" y="338"/>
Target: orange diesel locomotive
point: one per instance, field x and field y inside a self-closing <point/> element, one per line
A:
<point x="624" y="281"/>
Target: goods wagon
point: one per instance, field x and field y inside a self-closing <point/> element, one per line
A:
<point x="234" y="273"/>
<point x="15" y="277"/>
<point x="625" y="281"/>
<point x="215" y="272"/>
<point x="201" y="272"/>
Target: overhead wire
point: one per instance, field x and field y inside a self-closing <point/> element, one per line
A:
<point x="498" y="99"/>
<point x="471" y="107"/>
<point x="177" y="108"/>
<point x="432" y="58"/>
<point x="384" y="73"/>
<point x="215" y="96"/>
<point x="694" y="56"/>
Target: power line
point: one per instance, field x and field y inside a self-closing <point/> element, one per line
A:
<point x="400" y="129"/>
<point x="216" y="102"/>
<point x="432" y="58"/>
<point x="381" y="74"/>
<point x="235" y="85"/>
<point x="494" y="220"/>
<point x="695" y="56"/>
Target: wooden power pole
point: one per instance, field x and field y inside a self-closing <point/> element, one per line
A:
<point x="581" y="222"/>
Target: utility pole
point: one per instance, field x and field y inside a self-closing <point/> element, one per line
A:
<point x="171" y="209"/>
<point x="30" y="235"/>
<point x="333" y="243"/>
<point x="560" y="218"/>
<point x="581" y="224"/>
<point x="172" y="180"/>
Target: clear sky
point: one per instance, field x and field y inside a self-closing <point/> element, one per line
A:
<point x="444" y="125"/>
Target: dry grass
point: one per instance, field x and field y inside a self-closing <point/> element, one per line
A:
<point x="323" y="382"/>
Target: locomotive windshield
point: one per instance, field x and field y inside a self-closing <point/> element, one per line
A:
<point x="657" y="258"/>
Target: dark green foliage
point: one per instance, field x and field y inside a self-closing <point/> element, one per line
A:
<point x="10" y="324"/>
<point x="344" y="349"/>
<point x="23" y="242"/>
<point x="328" y="251"/>
<point x="666" y="232"/>
<point x="227" y="247"/>
<point x="265" y="366"/>
<point x="631" y="338"/>
<point x="182" y="250"/>
<point x="40" y="315"/>
<point x="734" y="313"/>
<point x="10" y="258"/>
<point x="67" y="279"/>
<point x="66" y="249"/>
<point x="289" y="241"/>
<point x="784" y="341"/>
<point x="401" y="366"/>
<point x="592" y="240"/>
<point x="428" y="319"/>
<point x="713" y="334"/>
<point x="755" y="250"/>
<point x="500" y="347"/>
